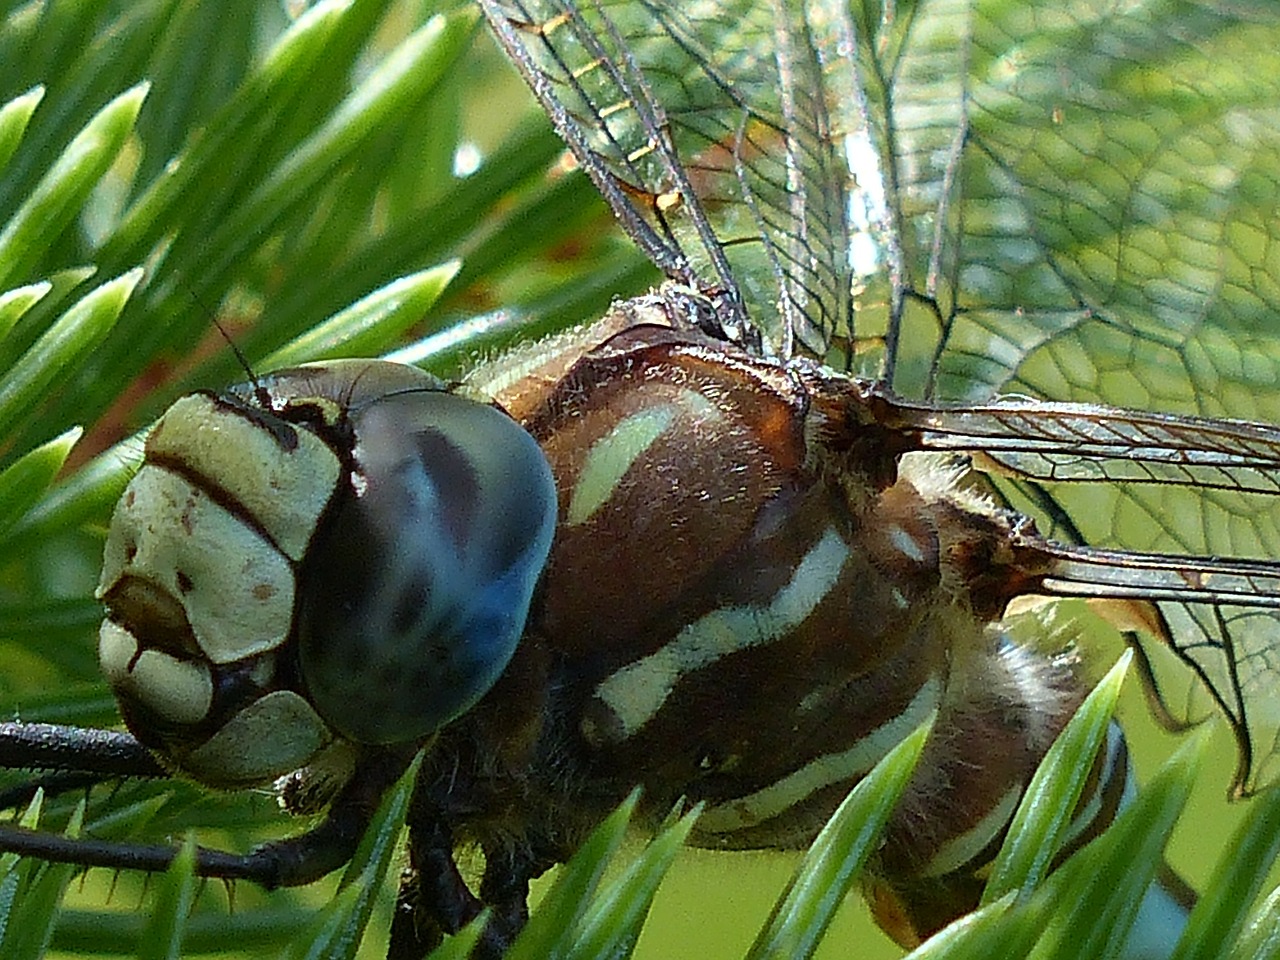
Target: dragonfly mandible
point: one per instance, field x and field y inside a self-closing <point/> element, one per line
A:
<point x="877" y="249"/>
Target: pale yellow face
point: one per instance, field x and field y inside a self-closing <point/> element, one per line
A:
<point x="199" y="572"/>
<point x="337" y="555"/>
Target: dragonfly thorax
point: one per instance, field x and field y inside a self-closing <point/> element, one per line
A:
<point x="735" y="532"/>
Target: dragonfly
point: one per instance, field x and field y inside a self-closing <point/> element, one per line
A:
<point x="837" y="185"/>
<point x="888" y="231"/>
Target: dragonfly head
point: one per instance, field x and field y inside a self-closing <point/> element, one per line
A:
<point x="343" y="552"/>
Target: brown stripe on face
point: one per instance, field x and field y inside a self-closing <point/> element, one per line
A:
<point x="277" y="489"/>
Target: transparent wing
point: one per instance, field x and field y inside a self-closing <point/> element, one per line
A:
<point x="1220" y="617"/>
<point x="718" y="133"/>
<point x="1056" y="442"/>
<point x="1077" y="202"/>
<point x="1154" y="478"/>
<point x="1051" y="198"/>
<point x="1086" y="199"/>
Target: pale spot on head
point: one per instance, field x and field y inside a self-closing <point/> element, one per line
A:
<point x="273" y="735"/>
<point x="116" y="651"/>
<point x="263" y="668"/>
<point x="178" y="691"/>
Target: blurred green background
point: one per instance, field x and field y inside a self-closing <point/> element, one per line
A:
<point x="271" y="183"/>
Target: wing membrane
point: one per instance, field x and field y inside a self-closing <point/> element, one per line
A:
<point x="1220" y="617"/>
<point x="1121" y="574"/>
<point x="717" y="132"/>
<point x="1111" y="239"/>
<point x="1071" y="442"/>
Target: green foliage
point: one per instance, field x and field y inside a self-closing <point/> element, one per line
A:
<point x="1043" y="818"/>
<point x="34" y="893"/>
<point x="165" y="164"/>
<point x="834" y="860"/>
<point x="170" y="171"/>
<point x="162" y="938"/>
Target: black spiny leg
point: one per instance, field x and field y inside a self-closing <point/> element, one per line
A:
<point x="62" y="781"/>
<point x="48" y="746"/>
<point x="303" y="859"/>
<point x="434" y="899"/>
<point x="95" y="755"/>
<point x="505" y="889"/>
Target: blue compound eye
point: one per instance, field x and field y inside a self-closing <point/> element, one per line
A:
<point x="342" y="550"/>
<point x="415" y="589"/>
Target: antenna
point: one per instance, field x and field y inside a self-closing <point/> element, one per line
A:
<point x="259" y="391"/>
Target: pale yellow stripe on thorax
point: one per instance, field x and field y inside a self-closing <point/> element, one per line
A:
<point x="611" y="457"/>
<point x="637" y="692"/>
<point x="821" y="772"/>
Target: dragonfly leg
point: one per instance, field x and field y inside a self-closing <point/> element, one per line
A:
<point x="434" y="899"/>
<point x="505" y="887"/>
<point x="49" y="746"/>
<point x="305" y="858"/>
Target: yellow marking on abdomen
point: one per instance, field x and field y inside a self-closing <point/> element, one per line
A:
<point x="637" y="692"/>
<point x="821" y="772"/>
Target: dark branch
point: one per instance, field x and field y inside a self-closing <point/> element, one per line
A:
<point x="291" y="862"/>
<point x="48" y="746"/>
